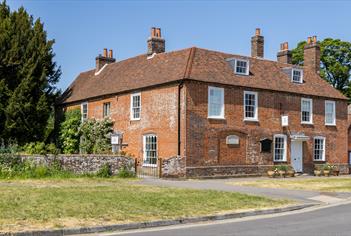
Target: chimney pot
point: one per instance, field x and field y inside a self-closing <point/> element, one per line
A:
<point x="314" y="39"/>
<point x="110" y="53"/>
<point x="105" y="52"/>
<point x="258" y="31"/>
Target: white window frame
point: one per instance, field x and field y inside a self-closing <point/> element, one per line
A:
<point x="221" y="116"/>
<point x="285" y="147"/>
<point x="132" y="108"/>
<point x="81" y="111"/>
<point x="255" y="118"/>
<point x="103" y="109"/>
<point x="314" y="146"/>
<point x="292" y="76"/>
<point x="311" y="111"/>
<point x="247" y="66"/>
<point x="145" y="151"/>
<point x="333" y="114"/>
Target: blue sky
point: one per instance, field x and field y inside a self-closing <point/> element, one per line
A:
<point x="83" y="28"/>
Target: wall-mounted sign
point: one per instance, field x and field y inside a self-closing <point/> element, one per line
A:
<point x="285" y="121"/>
<point x="114" y="139"/>
<point x="232" y="140"/>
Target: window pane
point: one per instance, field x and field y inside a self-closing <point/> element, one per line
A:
<point x="306" y="110"/>
<point x="215" y="102"/>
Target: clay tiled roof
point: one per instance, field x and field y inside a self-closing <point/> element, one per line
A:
<point x="196" y="64"/>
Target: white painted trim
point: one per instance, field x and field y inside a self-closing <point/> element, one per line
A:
<point x="255" y="118"/>
<point x="334" y="113"/>
<point x="97" y="73"/>
<point x="285" y="147"/>
<point x="247" y="66"/>
<point x="131" y="106"/>
<point x="311" y="111"/>
<point x="144" y="149"/>
<point x="292" y="75"/>
<point x="208" y="103"/>
<point x="324" y="145"/>
<point x="81" y="110"/>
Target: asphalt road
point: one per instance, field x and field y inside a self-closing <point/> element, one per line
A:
<point x="327" y="221"/>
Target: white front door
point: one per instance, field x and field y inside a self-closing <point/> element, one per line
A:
<point x="296" y="155"/>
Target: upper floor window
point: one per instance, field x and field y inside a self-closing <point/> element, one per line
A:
<point x="250" y="106"/>
<point x="319" y="149"/>
<point x="279" y="144"/>
<point x="215" y="102"/>
<point x="330" y="113"/>
<point x="241" y="67"/>
<point x="84" y="111"/>
<point x="306" y="111"/>
<point x="135" y="106"/>
<point x="297" y="75"/>
<point x="106" y="109"/>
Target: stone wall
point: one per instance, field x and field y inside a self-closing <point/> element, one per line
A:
<point x="84" y="163"/>
<point x="173" y="167"/>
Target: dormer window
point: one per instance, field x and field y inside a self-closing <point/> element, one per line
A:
<point x="241" y="67"/>
<point x="297" y="75"/>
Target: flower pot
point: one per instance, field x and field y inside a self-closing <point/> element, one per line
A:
<point x="336" y="172"/>
<point x="282" y="173"/>
<point x="290" y="173"/>
<point x="317" y="172"/>
<point x="271" y="173"/>
<point x="326" y="173"/>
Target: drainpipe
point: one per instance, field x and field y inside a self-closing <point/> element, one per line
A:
<point x="180" y="86"/>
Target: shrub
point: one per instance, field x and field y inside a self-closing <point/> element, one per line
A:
<point x="95" y="136"/>
<point x="105" y="171"/>
<point x="283" y="167"/>
<point x="69" y="132"/>
<point x="124" y="172"/>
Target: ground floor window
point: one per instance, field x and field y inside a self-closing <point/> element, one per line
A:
<point x="319" y="149"/>
<point x="279" y="147"/>
<point x="150" y="149"/>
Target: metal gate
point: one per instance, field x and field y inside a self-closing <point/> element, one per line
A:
<point x="149" y="171"/>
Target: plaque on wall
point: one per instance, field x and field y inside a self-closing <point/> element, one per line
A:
<point x="232" y="140"/>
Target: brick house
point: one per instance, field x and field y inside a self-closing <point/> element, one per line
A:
<point x="209" y="113"/>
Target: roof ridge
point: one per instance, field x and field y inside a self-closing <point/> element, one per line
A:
<point x="189" y="63"/>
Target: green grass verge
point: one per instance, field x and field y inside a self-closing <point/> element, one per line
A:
<point x="322" y="184"/>
<point x="56" y="203"/>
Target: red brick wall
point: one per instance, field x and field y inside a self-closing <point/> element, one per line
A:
<point x="206" y="137"/>
<point x="158" y="116"/>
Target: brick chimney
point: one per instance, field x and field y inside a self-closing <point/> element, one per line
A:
<point x="105" y="58"/>
<point x="155" y="43"/>
<point x="257" y="44"/>
<point x="284" y="55"/>
<point x="312" y="54"/>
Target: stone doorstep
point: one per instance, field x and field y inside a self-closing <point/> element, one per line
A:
<point x="159" y="223"/>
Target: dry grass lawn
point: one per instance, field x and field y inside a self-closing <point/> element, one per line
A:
<point x="57" y="203"/>
<point x="322" y="184"/>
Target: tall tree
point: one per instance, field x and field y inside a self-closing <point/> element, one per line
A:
<point x="335" y="62"/>
<point x="28" y="75"/>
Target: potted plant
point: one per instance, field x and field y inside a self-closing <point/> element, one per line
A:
<point x="335" y="171"/>
<point x="290" y="172"/>
<point x="273" y="172"/>
<point x="282" y="169"/>
<point x="317" y="171"/>
<point x="326" y="169"/>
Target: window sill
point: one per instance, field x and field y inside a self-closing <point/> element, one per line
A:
<point x="330" y="124"/>
<point x="252" y="120"/>
<point x="135" y="119"/>
<point x="215" y="118"/>
<point x="306" y="123"/>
